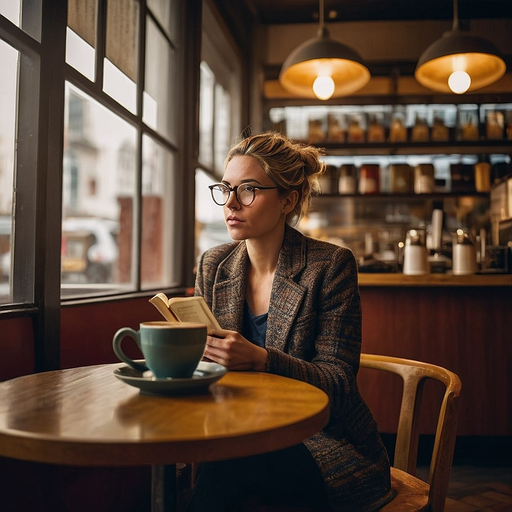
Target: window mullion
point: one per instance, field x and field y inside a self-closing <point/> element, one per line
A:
<point x="49" y="185"/>
<point x="101" y="39"/>
<point x="137" y="259"/>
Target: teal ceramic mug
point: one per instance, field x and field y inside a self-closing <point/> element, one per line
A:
<point x="170" y="349"/>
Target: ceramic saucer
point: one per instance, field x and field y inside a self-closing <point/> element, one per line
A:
<point x="204" y="375"/>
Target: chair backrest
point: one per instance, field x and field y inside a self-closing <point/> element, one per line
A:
<point x="414" y="375"/>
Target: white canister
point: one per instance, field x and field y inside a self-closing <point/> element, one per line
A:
<point x="415" y="253"/>
<point x="464" y="259"/>
<point x="416" y="260"/>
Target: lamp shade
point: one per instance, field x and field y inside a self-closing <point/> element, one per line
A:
<point x="455" y="51"/>
<point x="323" y="56"/>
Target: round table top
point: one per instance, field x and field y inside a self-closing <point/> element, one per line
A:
<point x="87" y="417"/>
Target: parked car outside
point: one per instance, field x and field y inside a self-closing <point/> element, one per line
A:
<point x="89" y="249"/>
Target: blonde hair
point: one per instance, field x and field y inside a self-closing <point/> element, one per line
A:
<point x="290" y="165"/>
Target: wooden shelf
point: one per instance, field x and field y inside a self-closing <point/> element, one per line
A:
<point x="419" y="148"/>
<point x="406" y="196"/>
<point x="370" y="279"/>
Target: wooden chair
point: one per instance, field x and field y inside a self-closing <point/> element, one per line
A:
<point x="414" y="494"/>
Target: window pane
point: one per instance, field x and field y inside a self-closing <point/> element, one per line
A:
<point x="122" y="43"/>
<point x="117" y="85"/>
<point x="160" y="84"/>
<point x="222" y="126"/>
<point x="206" y="106"/>
<point x="8" y="87"/>
<point x="80" y="55"/>
<point x="159" y="194"/>
<point x="165" y="12"/>
<point x="99" y="186"/>
<point x="210" y="227"/>
<point x="82" y="16"/>
<point x="27" y="17"/>
<point x="123" y="36"/>
<point x="81" y="36"/>
<point x="11" y="10"/>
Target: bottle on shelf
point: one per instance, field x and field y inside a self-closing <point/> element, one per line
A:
<point x="356" y="130"/>
<point x="483" y="175"/>
<point x="369" y="179"/>
<point x="335" y="129"/>
<point x="347" y="179"/>
<point x="400" y="178"/>
<point x="440" y="132"/>
<point x="494" y="125"/>
<point x="424" y="179"/>
<point x="376" y="132"/>
<point x="420" y="131"/>
<point x="468" y="123"/>
<point x="397" y="130"/>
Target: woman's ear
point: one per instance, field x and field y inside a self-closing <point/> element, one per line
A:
<point x="290" y="201"/>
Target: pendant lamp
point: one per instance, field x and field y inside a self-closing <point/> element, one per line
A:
<point x="459" y="62"/>
<point x="323" y="68"/>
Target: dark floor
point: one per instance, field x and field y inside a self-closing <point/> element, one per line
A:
<point x="479" y="489"/>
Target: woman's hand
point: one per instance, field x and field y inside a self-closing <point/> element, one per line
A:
<point x="235" y="352"/>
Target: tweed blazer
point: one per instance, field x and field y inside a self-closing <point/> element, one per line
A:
<point x="314" y="335"/>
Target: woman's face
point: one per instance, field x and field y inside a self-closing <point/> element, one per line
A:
<point x="266" y="214"/>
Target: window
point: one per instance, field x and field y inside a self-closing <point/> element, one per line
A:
<point x="119" y="163"/>
<point x="118" y="190"/>
<point x="98" y="194"/>
<point x="8" y="86"/>
<point x="219" y="125"/>
<point x="20" y="63"/>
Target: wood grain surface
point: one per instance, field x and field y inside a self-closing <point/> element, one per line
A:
<point x="87" y="417"/>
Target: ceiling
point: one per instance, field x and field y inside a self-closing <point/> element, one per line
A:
<point x="306" y="11"/>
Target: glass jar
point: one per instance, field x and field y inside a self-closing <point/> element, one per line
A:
<point x="369" y="179"/>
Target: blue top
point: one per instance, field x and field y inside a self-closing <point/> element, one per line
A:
<point x="254" y="327"/>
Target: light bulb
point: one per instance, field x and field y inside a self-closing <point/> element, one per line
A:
<point x="323" y="87"/>
<point x="459" y="82"/>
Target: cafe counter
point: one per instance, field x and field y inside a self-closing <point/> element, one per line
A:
<point x="459" y="322"/>
<point x="394" y="279"/>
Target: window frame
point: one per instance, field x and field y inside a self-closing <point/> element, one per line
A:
<point x="38" y="241"/>
<point x="222" y="56"/>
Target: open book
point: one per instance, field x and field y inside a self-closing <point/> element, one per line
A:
<point x="187" y="309"/>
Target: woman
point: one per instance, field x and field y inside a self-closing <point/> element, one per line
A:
<point x="291" y="305"/>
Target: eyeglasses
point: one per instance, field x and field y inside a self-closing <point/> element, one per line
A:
<point x="244" y="193"/>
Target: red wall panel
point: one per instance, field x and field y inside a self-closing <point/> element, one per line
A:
<point x="17" y="347"/>
<point x="87" y="330"/>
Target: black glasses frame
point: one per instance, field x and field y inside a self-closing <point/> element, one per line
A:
<point x="235" y="190"/>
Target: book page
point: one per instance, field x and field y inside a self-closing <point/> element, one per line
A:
<point x="195" y="309"/>
<point x="190" y="312"/>
<point x="161" y="303"/>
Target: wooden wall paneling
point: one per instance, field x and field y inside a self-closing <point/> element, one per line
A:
<point x="87" y="330"/>
<point x="17" y="346"/>
<point x="466" y="330"/>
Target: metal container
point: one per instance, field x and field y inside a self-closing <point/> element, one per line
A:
<point x="416" y="253"/>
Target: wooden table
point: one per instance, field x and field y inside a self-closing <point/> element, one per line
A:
<point x="87" y="417"/>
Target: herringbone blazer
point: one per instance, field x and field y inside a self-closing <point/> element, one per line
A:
<point x="314" y="335"/>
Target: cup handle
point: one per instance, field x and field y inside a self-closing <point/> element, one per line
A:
<point x="116" y="345"/>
